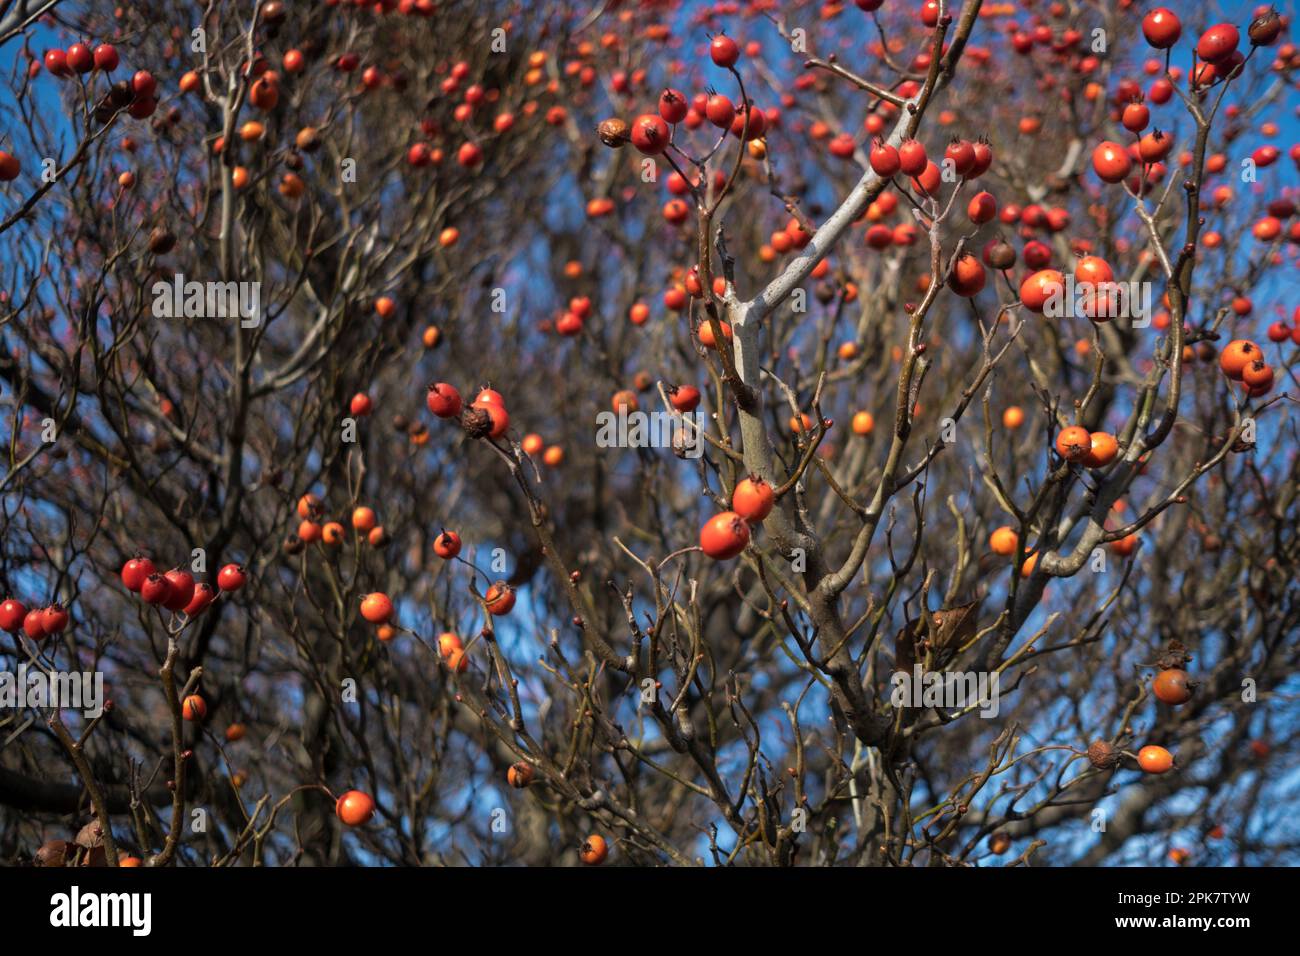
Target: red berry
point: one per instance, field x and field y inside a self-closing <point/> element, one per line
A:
<point x="650" y="134"/>
<point x="912" y="159"/>
<point x="106" y="58"/>
<point x="720" y="111"/>
<point x="1111" y="162"/>
<point x="56" y="61"/>
<point x="884" y="160"/>
<point x="1135" y="118"/>
<point x="962" y="156"/>
<point x="753" y="499"/>
<point x="54" y="619"/>
<point x="1218" y="43"/>
<point x="685" y="398"/>
<point x="1162" y="28"/>
<point x="156" y="589"/>
<point x="724" y="51"/>
<point x="447" y="545"/>
<point x="469" y="155"/>
<point x="144" y="85"/>
<point x="203" y="596"/>
<point x="724" y="536"/>
<point x="34" y="624"/>
<point x="11" y="615"/>
<point x="443" y="400"/>
<point x="673" y="106"/>
<point x="232" y="577"/>
<point x="80" y="58"/>
<point x="182" y="589"/>
<point x="135" y="571"/>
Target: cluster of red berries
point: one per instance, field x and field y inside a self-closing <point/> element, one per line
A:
<point x="37" y="624"/>
<point x="139" y="94"/>
<point x="1243" y="361"/>
<point x="176" y="590"/>
<point x="79" y="58"/>
<point x="486" y="415"/>
<point x="650" y="132"/>
<point x="725" y="535"/>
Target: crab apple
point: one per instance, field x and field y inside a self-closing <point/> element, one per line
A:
<point x="1218" y="43"/>
<point x="968" y="276"/>
<point x="884" y="159"/>
<point x="204" y="594"/>
<point x="1154" y="759"/>
<point x="724" y="536"/>
<point x="982" y="208"/>
<point x="498" y="418"/>
<point x="962" y="156"/>
<point x="1038" y="288"/>
<point x="673" y="106"/>
<point x="1111" y="162"/>
<point x="720" y="111"/>
<point x="1074" y="443"/>
<point x="10" y="167"/>
<point x="182" y="589"/>
<point x="650" y="134"/>
<point x="194" y="707"/>
<point x="56" y="61"/>
<point x="1135" y="117"/>
<point x="447" y="545"/>
<point x="355" y="808"/>
<point x="469" y="155"/>
<point x="376" y="608"/>
<point x="448" y="642"/>
<point x="684" y="398"/>
<point x="1173" y="686"/>
<point x="500" y="598"/>
<point x="34" y="624"/>
<point x="143" y="85"/>
<point x="1102" y="451"/>
<point x="136" y="571"/>
<point x="1162" y="28"/>
<point x="912" y="158"/>
<point x="443" y="400"/>
<point x="724" y="51"/>
<point x="360" y="405"/>
<point x="929" y="180"/>
<point x="753" y="498"/>
<point x="520" y="775"/>
<point x="54" y="619"/>
<point x="155" y="589"/>
<point x="11" y="615"/>
<point x="1236" y="355"/>
<point x="79" y="58"/>
<point x="458" y="661"/>
<point x="1004" y="541"/>
<point x="594" y="850"/>
<point x="232" y="577"/>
